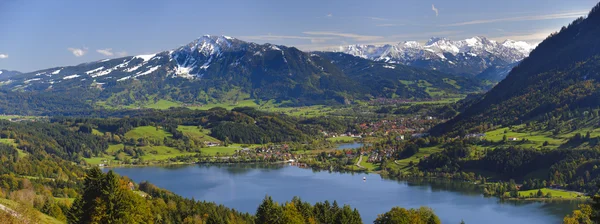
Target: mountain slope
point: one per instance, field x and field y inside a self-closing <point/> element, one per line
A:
<point x="6" y="74"/>
<point x="220" y="68"/>
<point x="465" y="57"/>
<point x="400" y="80"/>
<point x="561" y="76"/>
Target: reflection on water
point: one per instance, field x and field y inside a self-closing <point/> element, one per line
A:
<point x="243" y="186"/>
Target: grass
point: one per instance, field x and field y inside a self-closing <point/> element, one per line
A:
<point x="227" y="105"/>
<point x="404" y="163"/>
<point x="99" y="160"/>
<point x="342" y="139"/>
<point x="555" y="193"/>
<point x="44" y="219"/>
<point x="12" y="142"/>
<point x="162" y="104"/>
<point x="8" y="117"/>
<point x="153" y="153"/>
<point x="195" y="133"/>
<point x="114" y="148"/>
<point x="369" y="166"/>
<point x="148" y="132"/>
<point x="536" y="139"/>
<point x="222" y="150"/>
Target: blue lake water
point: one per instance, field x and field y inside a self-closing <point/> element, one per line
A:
<point x="243" y="186"/>
<point x="354" y="145"/>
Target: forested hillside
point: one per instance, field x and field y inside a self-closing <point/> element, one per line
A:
<point x="561" y="75"/>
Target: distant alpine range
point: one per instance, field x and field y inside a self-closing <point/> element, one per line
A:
<point x="221" y="68"/>
<point x="477" y="56"/>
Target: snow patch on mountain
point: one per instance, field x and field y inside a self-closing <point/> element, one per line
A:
<point x="56" y="72"/>
<point x="31" y="80"/>
<point x="145" y="57"/>
<point x="150" y="70"/>
<point x="94" y="70"/>
<point x="70" y="77"/>
<point x="132" y="69"/>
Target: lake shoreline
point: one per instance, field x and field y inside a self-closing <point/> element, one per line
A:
<point x="243" y="185"/>
<point x="379" y="173"/>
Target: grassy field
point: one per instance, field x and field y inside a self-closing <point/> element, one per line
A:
<point x="555" y="193"/>
<point x="12" y="142"/>
<point x="195" y="133"/>
<point x="342" y="139"/>
<point x="161" y="153"/>
<point x="227" y="105"/>
<point x="149" y="132"/>
<point x="369" y="166"/>
<point x="8" y="141"/>
<point x="222" y="150"/>
<point x="404" y="163"/>
<point x="100" y="160"/>
<point x="8" y="117"/>
<point x="44" y="219"/>
<point x="536" y="139"/>
<point x="162" y="104"/>
<point x="114" y="148"/>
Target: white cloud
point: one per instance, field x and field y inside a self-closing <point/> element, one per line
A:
<point x="566" y="15"/>
<point x="356" y="37"/>
<point x="78" y="52"/>
<point x="105" y="52"/>
<point x="377" y="18"/>
<point x="435" y="9"/>
<point x="329" y="15"/>
<point x="3" y="56"/>
<point x="426" y="35"/>
<point x="270" y="37"/>
<point x="534" y="36"/>
<point x="122" y="53"/>
<point x="388" y="24"/>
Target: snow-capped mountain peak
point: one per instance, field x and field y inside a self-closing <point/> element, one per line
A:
<point x="521" y="46"/>
<point x="468" y="56"/>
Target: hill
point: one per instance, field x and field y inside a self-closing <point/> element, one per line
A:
<point x="559" y="81"/>
<point x="215" y="69"/>
<point x="6" y="74"/>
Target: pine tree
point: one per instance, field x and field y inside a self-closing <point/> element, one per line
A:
<point x="268" y="212"/>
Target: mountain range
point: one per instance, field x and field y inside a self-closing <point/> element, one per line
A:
<point x="559" y="83"/>
<point x="221" y="68"/>
<point x="477" y="56"/>
<point x="4" y="74"/>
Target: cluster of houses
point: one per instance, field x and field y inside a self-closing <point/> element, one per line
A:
<point x="211" y="144"/>
<point x="333" y="135"/>
<point x="399" y="126"/>
<point x="278" y="152"/>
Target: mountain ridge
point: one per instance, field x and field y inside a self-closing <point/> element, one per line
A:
<point x="470" y="57"/>
<point x="220" y="68"/>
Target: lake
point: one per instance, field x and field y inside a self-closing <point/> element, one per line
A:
<point x="243" y="187"/>
<point x="354" y="145"/>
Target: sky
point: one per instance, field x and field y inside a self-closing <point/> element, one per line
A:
<point x="39" y="34"/>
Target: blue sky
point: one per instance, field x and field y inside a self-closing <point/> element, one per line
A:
<point x="38" y="34"/>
